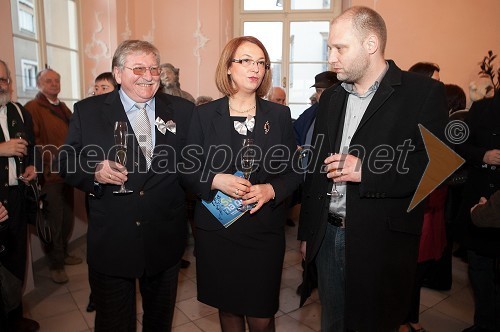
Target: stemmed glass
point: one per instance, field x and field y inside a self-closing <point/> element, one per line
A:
<point x="121" y="133"/>
<point x="247" y="161"/>
<point x="21" y="135"/>
<point x="334" y="192"/>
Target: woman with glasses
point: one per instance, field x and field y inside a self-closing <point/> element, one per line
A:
<point x="239" y="266"/>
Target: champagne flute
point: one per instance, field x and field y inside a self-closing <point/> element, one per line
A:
<point x="121" y="133"/>
<point x="247" y="161"/>
<point x="21" y="135"/>
<point x="334" y="192"/>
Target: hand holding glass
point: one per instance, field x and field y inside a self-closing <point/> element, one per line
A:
<point x="121" y="133"/>
<point x="334" y="192"/>
<point x="21" y="135"/>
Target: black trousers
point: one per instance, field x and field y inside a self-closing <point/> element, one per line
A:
<point x="115" y="301"/>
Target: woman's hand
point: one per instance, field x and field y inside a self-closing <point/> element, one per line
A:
<point x="231" y="185"/>
<point x="259" y="194"/>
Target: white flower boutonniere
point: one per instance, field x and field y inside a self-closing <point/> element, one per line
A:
<point x="163" y="127"/>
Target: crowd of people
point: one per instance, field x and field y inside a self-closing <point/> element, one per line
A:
<point x="233" y="167"/>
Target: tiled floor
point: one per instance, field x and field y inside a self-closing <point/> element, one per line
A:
<point x="61" y="308"/>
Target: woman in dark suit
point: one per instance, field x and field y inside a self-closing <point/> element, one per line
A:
<point x="239" y="267"/>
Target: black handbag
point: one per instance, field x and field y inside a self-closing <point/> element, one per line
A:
<point x="35" y="210"/>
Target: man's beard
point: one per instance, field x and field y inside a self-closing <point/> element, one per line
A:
<point x="4" y="97"/>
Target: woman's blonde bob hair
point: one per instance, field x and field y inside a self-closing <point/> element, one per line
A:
<point x="223" y="80"/>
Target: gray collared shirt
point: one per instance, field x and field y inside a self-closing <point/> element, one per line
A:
<point x="355" y="109"/>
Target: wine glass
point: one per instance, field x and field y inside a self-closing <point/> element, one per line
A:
<point x="21" y="135"/>
<point x="334" y="192"/>
<point x="247" y="161"/>
<point x="121" y="133"/>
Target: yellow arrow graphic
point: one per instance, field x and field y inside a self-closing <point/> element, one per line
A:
<point x="443" y="161"/>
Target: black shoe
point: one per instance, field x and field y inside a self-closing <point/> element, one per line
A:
<point x="289" y="222"/>
<point x="91" y="307"/>
<point x="185" y="264"/>
<point x="25" y="325"/>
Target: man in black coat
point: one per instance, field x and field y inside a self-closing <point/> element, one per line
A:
<point x="139" y="235"/>
<point x="364" y="242"/>
<point x="482" y="153"/>
<point x="16" y="170"/>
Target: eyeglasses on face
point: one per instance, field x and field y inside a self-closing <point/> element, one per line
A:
<point x="261" y="64"/>
<point x="4" y="80"/>
<point x="154" y="70"/>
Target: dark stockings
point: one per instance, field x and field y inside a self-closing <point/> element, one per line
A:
<point x="236" y="323"/>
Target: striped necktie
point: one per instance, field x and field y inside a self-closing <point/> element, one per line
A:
<point x="142" y="130"/>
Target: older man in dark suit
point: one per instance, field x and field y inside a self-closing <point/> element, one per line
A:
<point x="142" y="234"/>
<point x="363" y="240"/>
<point x="17" y="167"/>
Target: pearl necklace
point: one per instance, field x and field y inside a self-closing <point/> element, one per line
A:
<point x="238" y="111"/>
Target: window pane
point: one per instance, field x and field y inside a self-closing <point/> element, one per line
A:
<point x="66" y="64"/>
<point x="263" y="5"/>
<point x="23" y="18"/>
<point x="310" y="4"/>
<point x="60" y="23"/>
<point x="24" y="51"/>
<point x="308" y="41"/>
<point x="270" y="34"/>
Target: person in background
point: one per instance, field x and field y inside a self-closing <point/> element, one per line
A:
<point x="239" y="267"/>
<point x="104" y="83"/>
<point x="13" y="178"/>
<point x="362" y="237"/>
<point x="304" y="125"/>
<point x="50" y="123"/>
<point x="203" y="100"/>
<point x="141" y="235"/>
<point x="277" y="95"/>
<point x="170" y="82"/>
<point x="428" y="69"/>
<point x="313" y="99"/>
<point x="481" y="151"/>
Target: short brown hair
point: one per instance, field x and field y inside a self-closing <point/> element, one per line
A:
<point x="366" y="20"/>
<point x="128" y="47"/>
<point x="223" y="80"/>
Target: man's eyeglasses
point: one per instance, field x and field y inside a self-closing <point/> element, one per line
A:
<point x="155" y="71"/>
<point x="261" y="64"/>
<point x="4" y="81"/>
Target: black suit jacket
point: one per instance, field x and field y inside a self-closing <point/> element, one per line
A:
<point x="381" y="237"/>
<point x="145" y="230"/>
<point x="210" y="136"/>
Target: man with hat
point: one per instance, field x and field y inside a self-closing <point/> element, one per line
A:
<point x="304" y="125"/>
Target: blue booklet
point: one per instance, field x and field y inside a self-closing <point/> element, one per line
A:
<point x="225" y="208"/>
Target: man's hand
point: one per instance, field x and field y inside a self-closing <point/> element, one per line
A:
<point x="343" y="168"/>
<point x="303" y="250"/>
<point x="492" y="157"/>
<point x="16" y="147"/>
<point x="482" y="201"/>
<point x="111" y="172"/>
<point x="4" y="215"/>
<point x="29" y="174"/>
